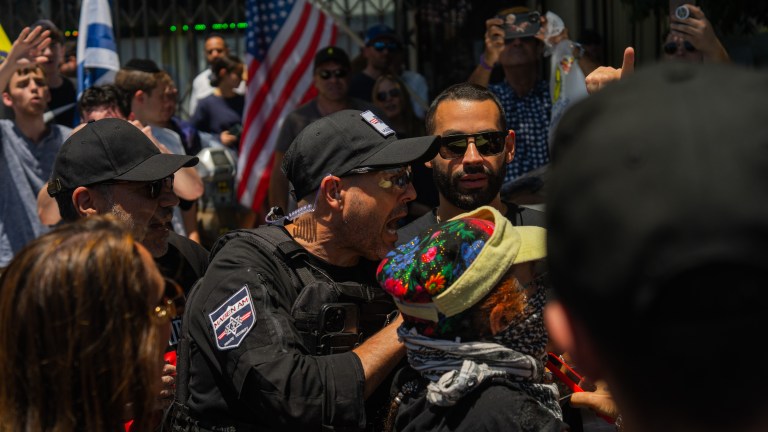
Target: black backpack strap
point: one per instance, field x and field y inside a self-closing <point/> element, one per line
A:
<point x="183" y="351"/>
<point x="291" y="251"/>
<point x="275" y="240"/>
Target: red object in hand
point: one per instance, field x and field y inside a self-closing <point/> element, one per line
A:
<point x="170" y="357"/>
<point x="569" y="377"/>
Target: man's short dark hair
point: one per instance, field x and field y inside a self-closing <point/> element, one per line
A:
<point x="56" y="35"/>
<point x="228" y="63"/>
<point x="107" y="95"/>
<point x="464" y="91"/>
<point x="712" y="306"/>
<point x="138" y="74"/>
<point x="212" y="35"/>
<point x="657" y="247"/>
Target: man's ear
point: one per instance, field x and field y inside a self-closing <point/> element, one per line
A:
<point x="510" y="144"/>
<point x="7" y="101"/>
<point x="331" y="192"/>
<point x="84" y="200"/>
<point x="140" y="96"/>
<point x="570" y="335"/>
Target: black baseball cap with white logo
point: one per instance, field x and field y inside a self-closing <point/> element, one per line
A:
<point x="345" y="140"/>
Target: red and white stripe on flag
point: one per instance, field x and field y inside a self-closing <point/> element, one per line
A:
<point x="283" y="37"/>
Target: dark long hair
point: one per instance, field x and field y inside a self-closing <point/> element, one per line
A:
<point x="413" y="125"/>
<point x="78" y="343"/>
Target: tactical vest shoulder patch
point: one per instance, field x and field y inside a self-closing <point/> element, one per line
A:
<point x="233" y="320"/>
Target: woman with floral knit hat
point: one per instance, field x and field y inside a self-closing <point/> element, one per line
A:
<point x="472" y="306"/>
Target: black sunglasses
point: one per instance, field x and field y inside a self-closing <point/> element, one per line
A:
<point x="384" y="96"/>
<point x="487" y="143"/>
<point x="671" y="48"/>
<point x="380" y="46"/>
<point x="154" y="188"/>
<point x="338" y="73"/>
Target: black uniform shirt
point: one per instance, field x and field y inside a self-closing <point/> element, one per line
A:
<point x="265" y="376"/>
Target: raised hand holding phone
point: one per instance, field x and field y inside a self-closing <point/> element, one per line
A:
<point x="698" y="31"/>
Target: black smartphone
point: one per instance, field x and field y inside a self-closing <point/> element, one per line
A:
<point x="338" y="318"/>
<point x="338" y="324"/>
<point x="520" y="25"/>
<point x="678" y="10"/>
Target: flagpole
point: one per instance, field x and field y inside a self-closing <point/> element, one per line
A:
<point x="339" y="22"/>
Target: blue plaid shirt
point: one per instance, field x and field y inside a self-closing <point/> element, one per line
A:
<point x="529" y="117"/>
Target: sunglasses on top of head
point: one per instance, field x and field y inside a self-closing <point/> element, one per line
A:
<point x="380" y="46"/>
<point x="487" y="144"/>
<point x="671" y="47"/>
<point x="327" y="74"/>
<point x="384" y="96"/>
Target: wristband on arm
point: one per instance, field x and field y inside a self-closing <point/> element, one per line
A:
<point x="485" y="65"/>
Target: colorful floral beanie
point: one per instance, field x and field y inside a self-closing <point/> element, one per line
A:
<point x="450" y="267"/>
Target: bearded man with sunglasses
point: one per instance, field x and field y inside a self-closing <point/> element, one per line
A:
<point x="475" y="149"/>
<point x="331" y="79"/>
<point x="288" y="329"/>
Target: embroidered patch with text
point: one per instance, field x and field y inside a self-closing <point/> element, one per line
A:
<point x="233" y="320"/>
<point x="377" y="123"/>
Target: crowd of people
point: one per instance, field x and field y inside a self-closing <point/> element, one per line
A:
<point x="395" y="287"/>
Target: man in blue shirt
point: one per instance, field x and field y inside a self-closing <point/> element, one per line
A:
<point x="523" y="92"/>
<point x="28" y="145"/>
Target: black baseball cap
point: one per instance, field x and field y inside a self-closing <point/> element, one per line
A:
<point x="659" y="174"/>
<point x="332" y="54"/>
<point x="380" y="31"/>
<point x="111" y="149"/>
<point x="345" y="140"/>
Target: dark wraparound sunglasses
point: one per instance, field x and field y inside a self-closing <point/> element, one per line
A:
<point x="154" y="188"/>
<point x="327" y="74"/>
<point x="384" y="96"/>
<point x="380" y="46"/>
<point x="487" y="144"/>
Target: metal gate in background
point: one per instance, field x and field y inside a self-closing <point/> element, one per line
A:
<point x="172" y="32"/>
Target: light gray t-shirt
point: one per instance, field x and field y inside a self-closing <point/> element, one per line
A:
<point x="24" y="168"/>
<point x="172" y="141"/>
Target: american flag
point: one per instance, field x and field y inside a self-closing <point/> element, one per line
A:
<point x="282" y="39"/>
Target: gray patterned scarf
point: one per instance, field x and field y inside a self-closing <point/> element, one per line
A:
<point x="456" y="368"/>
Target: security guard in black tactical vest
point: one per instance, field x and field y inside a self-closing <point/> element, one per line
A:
<point x="288" y="329"/>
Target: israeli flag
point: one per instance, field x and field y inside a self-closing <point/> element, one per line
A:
<point x="97" y="60"/>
